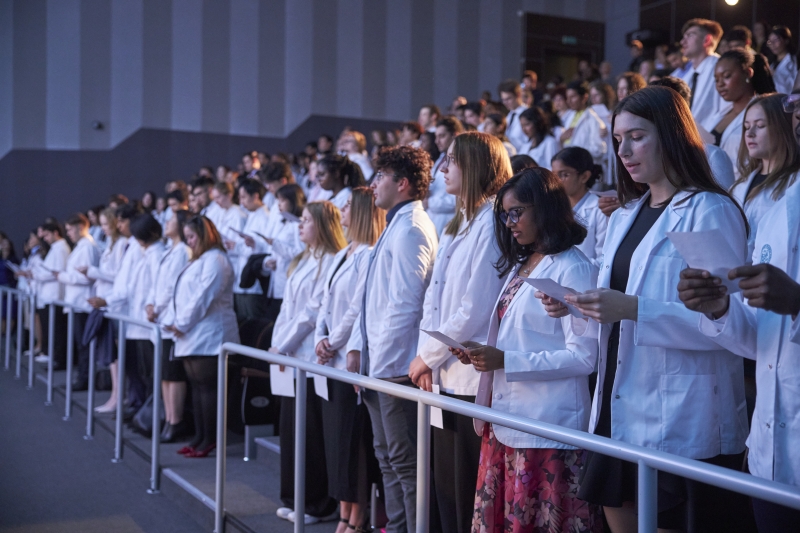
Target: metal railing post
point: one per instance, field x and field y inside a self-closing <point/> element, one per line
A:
<point x="51" y="334"/>
<point x="120" y="392"/>
<point x="70" y="356"/>
<point x="20" y="315"/>
<point x="9" y="295"/>
<point x="648" y="498"/>
<point x="155" y="467"/>
<point x="423" y="466"/>
<point x="31" y="335"/>
<point x="300" y="452"/>
<point x="90" y="397"/>
<point x="222" y="440"/>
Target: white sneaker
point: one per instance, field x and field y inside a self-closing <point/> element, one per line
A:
<point x="284" y="512"/>
<point x="42" y="359"/>
<point x="26" y="353"/>
<point x="308" y="518"/>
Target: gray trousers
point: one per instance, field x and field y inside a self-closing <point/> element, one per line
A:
<point x="394" y="426"/>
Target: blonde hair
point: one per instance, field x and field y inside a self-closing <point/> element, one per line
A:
<point x="783" y="143"/>
<point x="485" y="167"/>
<point x="367" y="221"/>
<point x="358" y="137"/>
<point x="111" y="218"/>
<point x="330" y="235"/>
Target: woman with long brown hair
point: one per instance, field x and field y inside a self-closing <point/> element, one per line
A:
<point x="346" y="426"/>
<point x="293" y="335"/>
<point x="475" y="167"/>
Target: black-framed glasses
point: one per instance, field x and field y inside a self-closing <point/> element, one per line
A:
<point x="791" y="103"/>
<point x="447" y="161"/>
<point x="513" y="214"/>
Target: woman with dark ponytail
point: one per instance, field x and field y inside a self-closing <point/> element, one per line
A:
<point x="578" y="173"/>
<point x="339" y="175"/>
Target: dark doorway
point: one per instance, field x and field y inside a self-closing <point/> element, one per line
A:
<point x="554" y="45"/>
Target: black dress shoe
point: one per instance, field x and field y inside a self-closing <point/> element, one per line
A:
<point x="80" y="385"/>
<point x="173" y="432"/>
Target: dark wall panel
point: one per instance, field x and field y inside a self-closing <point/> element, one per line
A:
<point x="30" y="73"/>
<point x="216" y="65"/>
<point x="374" y="75"/>
<point x="95" y="73"/>
<point x="157" y="64"/>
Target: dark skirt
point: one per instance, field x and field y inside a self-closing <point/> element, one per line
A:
<point x="172" y="368"/>
<point x="350" y="457"/>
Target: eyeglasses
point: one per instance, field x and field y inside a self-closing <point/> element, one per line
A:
<point x="512" y="214"/>
<point x="791" y="103"/>
<point x="447" y="161"/>
<point x="380" y="175"/>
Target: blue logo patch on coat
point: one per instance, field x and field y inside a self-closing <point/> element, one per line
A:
<point x="766" y="253"/>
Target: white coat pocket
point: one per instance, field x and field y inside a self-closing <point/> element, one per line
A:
<point x="690" y="412"/>
<point x="535" y="322"/>
<point x="664" y="273"/>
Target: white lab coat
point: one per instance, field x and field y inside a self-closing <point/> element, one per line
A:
<point x="546" y="364"/>
<point x="340" y="199"/>
<point x="362" y="160"/>
<point x="400" y="268"/>
<point x="48" y="288"/>
<point x="214" y="213"/>
<point x="141" y="281"/>
<point x="731" y="138"/>
<point x="590" y="133"/>
<point x="441" y="204"/>
<point x="464" y="280"/>
<point x="77" y="287"/>
<point x="721" y="167"/>
<point x="170" y="265"/>
<point x="675" y="390"/>
<point x="706" y="101"/>
<point x="589" y="215"/>
<point x="775" y="341"/>
<point x="203" y="305"/>
<point x="118" y="298"/>
<point x="286" y="245"/>
<point x="514" y="131"/>
<point x="110" y="262"/>
<point x="341" y="301"/>
<point x="293" y="333"/>
<point x="257" y="221"/>
<point x="757" y="207"/>
<point x="229" y="219"/>
<point x="784" y="74"/>
<point x="543" y="152"/>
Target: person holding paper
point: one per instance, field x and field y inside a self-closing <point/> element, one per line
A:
<point x="345" y="421"/>
<point x="250" y="304"/>
<point x="661" y="383"/>
<point x="48" y="289"/>
<point x="578" y="173"/>
<point x="767" y="329"/>
<point x="542" y="144"/>
<point x="159" y="309"/>
<point x="475" y="167"/>
<point x="293" y="335"/>
<point x="533" y="365"/>
<point x="286" y="244"/>
<point x="769" y="160"/>
<point x="78" y="289"/>
<point x="228" y="215"/>
<point x="387" y="332"/>
<point x="204" y="319"/>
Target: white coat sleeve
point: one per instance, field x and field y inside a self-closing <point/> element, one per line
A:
<point x="356" y="341"/>
<point x="600" y="229"/>
<point x="340" y="334"/>
<point x="85" y="257"/>
<point x="321" y="328"/>
<point x="597" y="143"/>
<point x="304" y="323"/>
<point x="170" y="273"/>
<point x="736" y="331"/>
<point x="206" y="290"/>
<point x="671" y="324"/>
<point x="579" y="356"/>
<point x="405" y="292"/>
<point x="473" y="313"/>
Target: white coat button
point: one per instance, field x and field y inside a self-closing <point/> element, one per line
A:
<point x="617" y="396"/>
<point x="498" y="396"/>
<point x="606" y="267"/>
<point x="794" y="249"/>
<point x="783" y="425"/>
<point x="641" y="267"/>
<point x="770" y="366"/>
<point x="767" y="425"/>
<point x="435" y="282"/>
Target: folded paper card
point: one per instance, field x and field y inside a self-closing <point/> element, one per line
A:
<point x="281" y="382"/>
<point x="437" y="417"/>
<point x="708" y="250"/>
<point x="444" y="339"/>
<point x="555" y="291"/>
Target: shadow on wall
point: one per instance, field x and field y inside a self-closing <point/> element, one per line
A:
<point x="41" y="183"/>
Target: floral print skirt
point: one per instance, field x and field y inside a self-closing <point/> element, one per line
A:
<point x="530" y="490"/>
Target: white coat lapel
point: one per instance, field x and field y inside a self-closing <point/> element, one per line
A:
<point x="623" y="220"/>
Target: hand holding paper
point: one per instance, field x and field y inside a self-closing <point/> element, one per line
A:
<point x="555" y="291"/>
<point x="444" y="339"/>
<point x="709" y="251"/>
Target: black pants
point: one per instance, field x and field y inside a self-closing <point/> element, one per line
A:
<point x="78" y="325"/>
<point x="318" y="503"/>
<point x="774" y="518"/>
<point x="249" y="307"/>
<point x="202" y="373"/>
<point x="456" y="451"/>
<point x="139" y="370"/>
<point x="59" y="351"/>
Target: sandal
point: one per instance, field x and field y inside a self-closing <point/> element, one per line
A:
<point x="359" y="529"/>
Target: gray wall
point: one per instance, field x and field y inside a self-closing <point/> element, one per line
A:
<point x="250" y="67"/>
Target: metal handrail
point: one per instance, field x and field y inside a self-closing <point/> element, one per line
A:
<point x="648" y="459"/>
<point x="21" y="297"/>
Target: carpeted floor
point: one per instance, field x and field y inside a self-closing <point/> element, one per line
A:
<point x="54" y="481"/>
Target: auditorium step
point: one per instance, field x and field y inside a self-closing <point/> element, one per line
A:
<point x="252" y="489"/>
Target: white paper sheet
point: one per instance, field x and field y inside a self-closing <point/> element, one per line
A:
<point x="14" y="268"/>
<point x="240" y="233"/>
<point x="555" y="291"/>
<point x="444" y="339"/>
<point x="708" y="250"/>
<point x="321" y="386"/>
<point x="291" y="217"/>
<point x="281" y="383"/>
<point x="605" y="194"/>
<point x="437" y="418"/>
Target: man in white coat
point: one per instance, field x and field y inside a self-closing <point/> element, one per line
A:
<point x="511" y="96"/>
<point x="387" y="333"/>
<point x="700" y="39"/>
<point x="583" y="127"/>
<point x="766" y="328"/>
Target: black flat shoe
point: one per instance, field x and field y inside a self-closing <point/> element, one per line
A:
<point x="174" y="432"/>
<point x="78" y="386"/>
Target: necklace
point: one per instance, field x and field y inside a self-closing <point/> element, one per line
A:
<point x="527" y="271"/>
